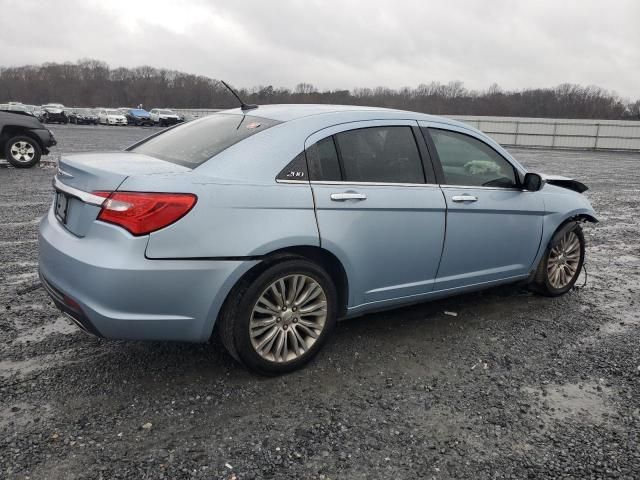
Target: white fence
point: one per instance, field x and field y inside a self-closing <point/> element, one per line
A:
<point x="559" y="133"/>
<point x="538" y="132"/>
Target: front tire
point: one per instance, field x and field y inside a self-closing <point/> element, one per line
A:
<point x="22" y="152"/>
<point x="561" y="263"/>
<point x="278" y="321"/>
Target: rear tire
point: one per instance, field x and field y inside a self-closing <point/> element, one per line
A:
<point x="22" y="152"/>
<point x="277" y="321"/>
<point x="561" y="263"/>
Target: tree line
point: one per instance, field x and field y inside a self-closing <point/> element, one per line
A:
<point x="93" y="83"/>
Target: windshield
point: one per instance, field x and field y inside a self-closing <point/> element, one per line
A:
<point x="137" y="111"/>
<point x="113" y="112"/>
<point x="196" y="142"/>
<point x="166" y="112"/>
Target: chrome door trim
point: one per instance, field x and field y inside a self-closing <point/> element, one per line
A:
<point x="292" y="181"/>
<point x="86" y="197"/>
<point x="470" y="187"/>
<point x="373" y="184"/>
<point x="392" y="184"/>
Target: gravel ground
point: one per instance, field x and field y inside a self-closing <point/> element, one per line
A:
<point x="514" y="386"/>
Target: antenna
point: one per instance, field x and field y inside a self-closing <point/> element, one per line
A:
<point x="243" y="106"/>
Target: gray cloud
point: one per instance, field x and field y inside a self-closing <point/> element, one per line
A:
<point x="341" y="44"/>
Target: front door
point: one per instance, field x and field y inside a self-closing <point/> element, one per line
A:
<point x="494" y="228"/>
<point x="376" y="210"/>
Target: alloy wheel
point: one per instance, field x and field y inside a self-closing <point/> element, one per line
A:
<point x="288" y="318"/>
<point x="564" y="259"/>
<point x="22" y="151"/>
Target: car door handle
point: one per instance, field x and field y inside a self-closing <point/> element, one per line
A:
<point x="464" y="198"/>
<point x="341" y="197"/>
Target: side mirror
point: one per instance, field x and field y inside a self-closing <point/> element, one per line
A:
<point x="532" y="182"/>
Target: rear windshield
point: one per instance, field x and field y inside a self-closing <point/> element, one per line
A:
<point x="196" y="142"/>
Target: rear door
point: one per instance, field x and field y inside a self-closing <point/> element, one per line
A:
<point x="494" y="227"/>
<point x="377" y="208"/>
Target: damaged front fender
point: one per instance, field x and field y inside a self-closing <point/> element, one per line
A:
<point x="565" y="182"/>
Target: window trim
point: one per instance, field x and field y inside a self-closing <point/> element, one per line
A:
<point x="426" y="132"/>
<point x="420" y="149"/>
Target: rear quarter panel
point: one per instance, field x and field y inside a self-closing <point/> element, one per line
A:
<point x="231" y="219"/>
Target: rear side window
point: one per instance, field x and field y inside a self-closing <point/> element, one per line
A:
<point x="468" y="161"/>
<point x="322" y="159"/>
<point x="380" y="154"/>
<point x="196" y="142"/>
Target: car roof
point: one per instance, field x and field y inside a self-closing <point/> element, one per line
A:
<point x="288" y="112"/>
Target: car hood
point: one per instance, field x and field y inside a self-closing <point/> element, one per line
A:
<point x="565" y="182"/>
<point x="53" y="110"/>
<point x="117" y="117"/>
<point x="21" y="119"/>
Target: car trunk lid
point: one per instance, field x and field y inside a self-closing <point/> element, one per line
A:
<point x="79" y="175"/>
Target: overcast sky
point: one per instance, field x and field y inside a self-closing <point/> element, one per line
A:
<point x="341" y="44"/>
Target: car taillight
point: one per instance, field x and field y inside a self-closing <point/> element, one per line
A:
<point x="141" y="213"/>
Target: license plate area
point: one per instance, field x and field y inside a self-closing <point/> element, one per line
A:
<point x="62" y="207"/>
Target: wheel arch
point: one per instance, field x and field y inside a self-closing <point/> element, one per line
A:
<point x="10" y="131"/>
<point x="318" y="255"/>
<point x="550" y="230"/>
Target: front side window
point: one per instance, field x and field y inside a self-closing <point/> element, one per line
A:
<point x="468" y="161"/>
<point x="380" y="154"/>
<point x="193" y="143"/>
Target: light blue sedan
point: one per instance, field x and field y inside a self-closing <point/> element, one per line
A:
<point x="264" y="226"/>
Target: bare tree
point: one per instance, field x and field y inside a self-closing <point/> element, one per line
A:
<point x="91" y="82"/>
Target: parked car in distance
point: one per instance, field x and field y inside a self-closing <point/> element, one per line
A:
<point x="266" y="225"/>
<point x="13" y="106"/>
<point x="82" y="116"/>
<point x="36" y="111"/>
<point x="54" y="112"/>
<point x="24" y="109"/>
<point x="138" y="117"/>
<point x="164" y="117"/>
<point x="111" y="116"/>
<point x="23" y="139"/>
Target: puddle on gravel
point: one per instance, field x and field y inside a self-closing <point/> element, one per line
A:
<point x="21" y="414"/>
<point x="21" y="278"/>
<point x="35" y="221"/>
<point x="20" y="264"/>
<point x="21" y="367"/>
<point x="573" y="400"/>
<point x="60" y="325"/>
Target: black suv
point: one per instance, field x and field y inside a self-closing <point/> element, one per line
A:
<point x="23" y="139"/>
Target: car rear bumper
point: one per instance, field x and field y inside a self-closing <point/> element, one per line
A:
<point x="168" y="120"/>
<point x="106" y="285"/>
<point x="56" y="117"/>
<point x="143" y="121"/>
